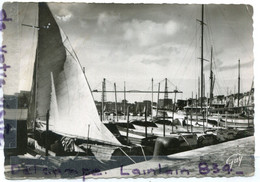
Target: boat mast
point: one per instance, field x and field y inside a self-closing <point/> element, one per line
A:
<point x="152" y="102"/>
<point x="47" y="133"/>
<point x="202" y="34"/>
<point x="238" y="92"/>
<point x="35" y="93"/>
<point x="174" y="103"/>
<point x="165" y="92"/>
<point x="198" y="88"/>
<point x="164" y="104"/>
<point x="204" y="85"/>
<point x="145" y="120"/>
<point x="196" y="108"/>
<point x="102" y="99"/>
<point x="158" y="99"/>
<point x="115" y="102"/>
<point x="207" y="112"/>
<point x="201" y="74"/>
<point x="127" y="128"/>
<point x="191" y="112"/>
<point x="124" y="103"/>
<point x="35" y="77"/>
<point x="211" y="79"/>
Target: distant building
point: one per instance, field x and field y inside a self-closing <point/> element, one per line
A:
<point x="147" y="104"/>
<point x="219" y="104"/>
<point x="134" y="108"/>
<point x="16" y="106"/>
<point x="18" y="100"/>
<point x="165" y="104"/>
<point x="16" y="124"/>
<point x="181" y="104"/>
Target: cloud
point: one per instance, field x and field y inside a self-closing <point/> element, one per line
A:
<point x="166" y="49"/>
<point x="221" y="67"/>
<point x="217" y="64"/>
<point x="64" y="18"/>
<point x="147" y="32"/>
<point x="107" y="20"/>
<point x="64" y="14"/>
<point x="158" y="61"/>
<point x="235" y="66"/>
<point x="152" y="59"/>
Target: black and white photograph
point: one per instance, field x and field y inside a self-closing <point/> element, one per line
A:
<point x="124" y="90"/>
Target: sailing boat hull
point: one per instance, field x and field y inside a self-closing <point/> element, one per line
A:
<point x="170" y="145"/>
<point x="206" y="140"/>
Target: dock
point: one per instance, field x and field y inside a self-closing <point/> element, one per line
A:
<point x="228" y="159"/>
<point x="202" y="162"/>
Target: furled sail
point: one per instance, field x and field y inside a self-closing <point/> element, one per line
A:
<point x="62" y="87"/>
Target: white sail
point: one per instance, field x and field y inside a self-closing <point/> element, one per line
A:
<point x="54" y="113"/>
<point x="72" y="109"/>
<point x="76" y="106"/>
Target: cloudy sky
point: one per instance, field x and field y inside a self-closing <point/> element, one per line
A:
<point x="137" y="42"/>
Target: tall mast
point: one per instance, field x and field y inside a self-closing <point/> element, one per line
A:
<point x="35" y="92"/>
<point x="191" y="111"/>
<point x="158" y="99"/>
<point x="196" y="108"/>
<point x="47" y="132"/>
<point x="201" y="74"/>
<point x="124" y="102"/>
<point x="198" y="87"/>
<point x="173" y="110"/>
<point x="238" y="92"/>
<point x="166" y="90"/>
<point x="152" y="102"/>
<point x="115" y="102"/>
<point x="202" y="34"/>
<point x="35" y="78"/>
<point x="102" y="101"/>
<point x="204" y="85"/>
<point x="211" y="78"/>
<point x="165" y="100"/>
<point x="164" y="104"/>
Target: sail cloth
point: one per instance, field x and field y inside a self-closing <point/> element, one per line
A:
<point x="61" y="86"/>
<point x="78" y="116"/>
<point x="54" y="113"/>
<point x="50" y="57"/>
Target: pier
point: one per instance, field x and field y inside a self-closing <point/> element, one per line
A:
<point x="206" y="157"/>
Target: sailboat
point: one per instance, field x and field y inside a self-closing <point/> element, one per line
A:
<point x="62" y="108"/>
<point x="202" y="138"/>
<point x="219" y="131"/>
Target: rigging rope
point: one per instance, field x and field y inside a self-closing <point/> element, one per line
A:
<point x="234" y="33"/>
<point x="215" y="68"/>
<point x="142" y="151"/>
<point x="77" y="59"/>
<point x="182" y="62"/>
<point x="127" y="155"/>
